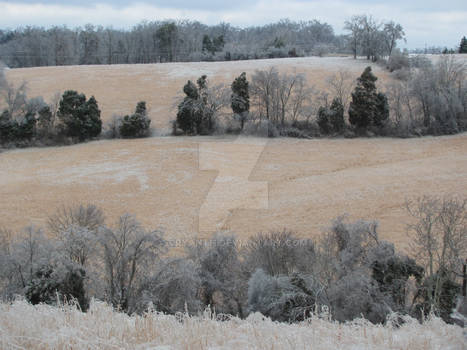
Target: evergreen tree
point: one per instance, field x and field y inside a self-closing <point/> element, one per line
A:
<point x="186" y="109"/>
<point x="48" y="283"/>
<point x="12" y="130"/>
<point x="463" y="45"/>
<point x="382" y="110"/>
<point x="80" y="118"/>
<point x="331" y="120"/>
<point x="194" y="115"/>
<point x="208" y="45"/>
<point x="240" y="98"/>
<point x="136" y="125"/>
<point x="93" y="120"/>
<point x="6" y="127"/>
<point x="218" y="43"/>
<point x="368" y="107"/>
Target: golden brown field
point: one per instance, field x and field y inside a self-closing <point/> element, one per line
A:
<point x="192" y="186"/>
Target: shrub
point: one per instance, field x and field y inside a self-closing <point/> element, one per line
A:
<point x="282" y="298"/>
<point x="136" y="125"/>
<point x="398" y="61"/>
<point x="50" y="284"/>
<point x="331" y="120"/>
<point x="12" y="130"/>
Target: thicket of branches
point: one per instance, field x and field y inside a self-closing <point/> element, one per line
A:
<point x="348" y="271"/>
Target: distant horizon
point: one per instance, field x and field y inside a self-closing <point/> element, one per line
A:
<point x="426" y="23"/>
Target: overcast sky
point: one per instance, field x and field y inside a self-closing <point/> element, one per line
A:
<point x="434" y="23"/>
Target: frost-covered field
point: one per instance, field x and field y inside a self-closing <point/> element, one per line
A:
<point x="23" y="326"/>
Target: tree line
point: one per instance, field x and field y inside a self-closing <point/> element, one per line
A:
<point x="347" y="272"/>
<point x="170" y="41"/>
<point x="425" y="99"/>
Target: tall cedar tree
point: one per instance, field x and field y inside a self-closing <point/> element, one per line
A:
<point x="463" y="45"/>
<point x="240" y="99"/>
<point x="80" y="118"/>
<point x="368" y="107"/>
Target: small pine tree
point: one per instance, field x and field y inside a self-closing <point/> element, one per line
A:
<point x="368" y="107"/>
<point x="463" y="45"/>
<point x="207" y="44"/>
<point x="6" y="127"/>
<point x="186" y="109"/>
<point x="48" y="283"/>
<point x="136" y="125"/>
<point x="240" y="98"/>
<point x="331" y="120"/>
<point x="12" y="130"/>
<point x="382" y="110"/>
<point x="93" y="120"/>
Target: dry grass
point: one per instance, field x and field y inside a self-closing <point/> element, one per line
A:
<point x="163" y="182"/>
<point x="23" y="326"/>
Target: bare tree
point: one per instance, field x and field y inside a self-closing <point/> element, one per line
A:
<point x="263" y="86"/>
<point x="341" y="85"/>
<point x="14" y="97"/>
<point x="392" y="33"/>
<point x="222" y="285"/>
<point x="128" y="252"/>
<point x="439" y="241"/>
<point x="355" y="26"/>
<point x="89" y="217"/>
<point x="21" y="255"/>
<point x="278" y="253"/>
<point x="174" y="287"/>
<point x="280" y="97"/>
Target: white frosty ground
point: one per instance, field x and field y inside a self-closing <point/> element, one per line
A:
<point x="23" y="326"/>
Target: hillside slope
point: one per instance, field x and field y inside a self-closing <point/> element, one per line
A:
<point x="192" y="186"/>
<point x="118" y="88"/>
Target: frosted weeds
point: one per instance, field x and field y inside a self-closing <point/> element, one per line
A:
<point x="46" y="327"/>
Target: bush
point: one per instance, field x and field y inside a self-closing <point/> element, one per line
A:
<point x="282" y="298"/>
<point x="48" y="285"/>
<point x="12" y="130"/>
<point x="398" y="61"/>
<point x="136" y="125"/>
<point x="331" y="120"/>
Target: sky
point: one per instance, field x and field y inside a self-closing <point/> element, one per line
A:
<point x="426" y="22"/>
